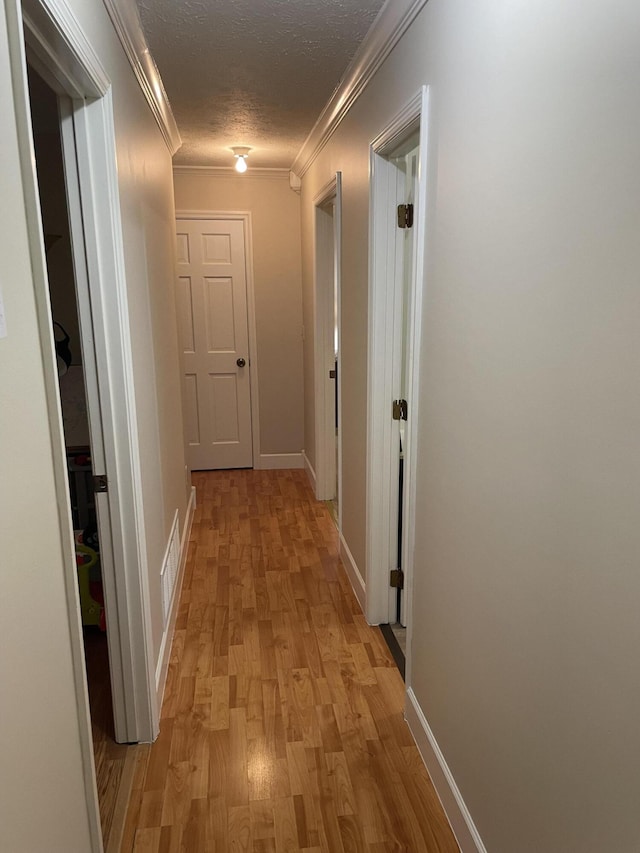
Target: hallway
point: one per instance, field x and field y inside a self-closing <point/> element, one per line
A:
<point x="282" y="725"/>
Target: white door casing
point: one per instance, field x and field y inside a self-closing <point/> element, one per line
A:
<point x="407" y="182"/>
<point x="70" y="116"/>
<point x="387" y="190"/>
<point x="327" y="264"/>
<point x="61" y="53"/>
<point x="214" y="336"/>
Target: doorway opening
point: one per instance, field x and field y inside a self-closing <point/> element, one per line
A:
<point x="405" y="159"/>
<point x="328" y="371"/>
<point x="397" y="257"/>
<point x="76" y="369"/>
<point x="58" y="50"/>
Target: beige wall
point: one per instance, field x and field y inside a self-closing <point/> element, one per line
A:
<point x="42" y="798"/>
<point x="275" y="216"/>
<point x="146" y="197"/>
<point x="526" y="571"/>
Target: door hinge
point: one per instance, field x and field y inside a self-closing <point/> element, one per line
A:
<point x="405" y="215"/>
<point x="100" y="483"/>
<point x="396" y="578"/>
<point x="399" y="410"/>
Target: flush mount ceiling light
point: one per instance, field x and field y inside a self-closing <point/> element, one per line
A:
<point x="241" y="154"/>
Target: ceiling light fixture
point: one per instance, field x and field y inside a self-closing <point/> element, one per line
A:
<point x="241" y="154"/>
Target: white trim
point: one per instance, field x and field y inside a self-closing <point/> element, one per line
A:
<point x="213" y="214"/>
<point x="95" y="135"/>
<point x="275" y="461"/>
<point x="92" y="375"/>
<point x="77" y="68"/>
<point x="323" y="254"/>
<point x="132" y="665"/>
<point x="353" y="572"/>
<point x="17" y="60"/>
<point x="245" y="217"/>
<point x="167" y="638"/>
<point x="382" y="354"/>
<point x="380" y="389"/>
<point x="328" y="191"/>
<point x="404" y="123"/>
<point x="326" y="273"/>
<point x="311" y="474"/>
<point x="230" y="172"/>
<point x="295" y="182"/>
<point x="394" y="19"/>
<point x="126" y="22"/>
<point x="415" y="345"/>
<point x="460" y="819"/>
<point x="62" y="55"/>
<point x="337" y="237"/>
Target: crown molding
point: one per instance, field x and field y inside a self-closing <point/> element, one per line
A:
<point x="126" y="21"/>
<point x="49" y="22"/>
<point x="394" y="19"/>
<point x="230" y="172"/>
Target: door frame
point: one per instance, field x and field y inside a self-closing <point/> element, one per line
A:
<point x="383" y="267"/>
<point x="327" y="280"/>
<point x="243" y="216"/>
<point x="60" y="51"/>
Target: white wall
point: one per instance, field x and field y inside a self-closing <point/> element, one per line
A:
<point x="42" y="795"/>
<point x="43" y="802"/>
<point x="146" y="196"/>
<point x="526" y="573"/>
<point x="275" y="217"/>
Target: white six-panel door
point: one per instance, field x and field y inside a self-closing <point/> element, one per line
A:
<point x="213" y="329"/>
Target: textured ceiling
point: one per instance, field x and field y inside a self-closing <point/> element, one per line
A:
<point x="251" y="72"/>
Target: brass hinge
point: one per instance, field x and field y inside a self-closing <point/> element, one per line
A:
<point x="399" y="410"/>
<point x="100" y="483"/>
<point x="396" y="578"/>
<point x="405" y="215"/>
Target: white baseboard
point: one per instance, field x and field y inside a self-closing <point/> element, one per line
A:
<point x="167" y="638"/>
<point x="353" y="572"/>
<point x="463" y="827"/>
<point x="272" y="461"/>
<point x="311" y="474"/>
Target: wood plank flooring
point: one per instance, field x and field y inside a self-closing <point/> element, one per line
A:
<point x="112" y="760"/>
<point x="282" y="725"/>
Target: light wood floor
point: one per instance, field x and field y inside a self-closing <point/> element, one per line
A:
<point x="282" y="725"/>
<point x="112" y="759"/>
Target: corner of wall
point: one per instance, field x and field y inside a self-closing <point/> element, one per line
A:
<point x="308" y="467"/>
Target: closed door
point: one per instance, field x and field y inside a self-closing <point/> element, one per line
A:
<point x="213" y="328"/>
